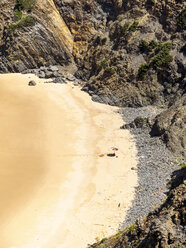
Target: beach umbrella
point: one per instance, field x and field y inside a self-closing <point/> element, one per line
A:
<point x="115" y="149"/>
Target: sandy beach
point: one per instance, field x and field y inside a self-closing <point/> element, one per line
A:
<point x="56" y="191"/>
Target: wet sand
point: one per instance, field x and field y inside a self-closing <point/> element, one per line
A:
<point x="55" y="189"/>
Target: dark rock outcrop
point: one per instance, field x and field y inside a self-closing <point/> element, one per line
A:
<point x="171" y="126"/>
<point x="138" y="122"/>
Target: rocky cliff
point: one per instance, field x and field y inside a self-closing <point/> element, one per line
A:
<point x="32" y="34"/>
<point x="132" y="53"/>
<point x="139" y="58"/>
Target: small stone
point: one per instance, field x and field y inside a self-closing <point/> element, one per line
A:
<point x="41" y="74"/>
<point x="48" y="74"/>
<point x="70" y="77"/>
<point x="32" y="83"/>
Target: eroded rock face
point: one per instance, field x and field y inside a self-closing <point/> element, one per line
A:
<point x="46" y="40"/>
<point x="114" y="58"/>
<point x="84" y="19"/>
<point x="131" y="53"/>
<point x="171" y="126"/>
<point x="118" y="46"/>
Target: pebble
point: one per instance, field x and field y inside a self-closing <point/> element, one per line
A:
<point x="155" y="166"/>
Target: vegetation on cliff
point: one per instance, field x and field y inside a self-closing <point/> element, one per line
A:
<point x="181" y="19"/>
<point x="159" y="56"/>
<point x="24" y="4"/>
<point x="24" y="22"/>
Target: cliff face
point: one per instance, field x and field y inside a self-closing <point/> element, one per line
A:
<point x="31" y="35"/>
<point x="139" y="58"/>
<point x="132" y="53"/>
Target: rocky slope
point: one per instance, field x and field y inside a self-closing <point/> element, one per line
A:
<point x="164" y="228"/>
<point x="140" y="57"/>
<point x="132" y="53"/>
<point x="32" y="34"/>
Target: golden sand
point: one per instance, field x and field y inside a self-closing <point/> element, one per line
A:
<point x="56" y="192"/>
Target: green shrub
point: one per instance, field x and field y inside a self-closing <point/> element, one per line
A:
<point x="147" y="47"/>
<point x="142" y="71"/>
<point x="181" y="19"/>
<point x="163" y="58"/>
<point x="125" y="28"/>
<point x="143" y="46"/>
<point x="26" y="21"/>
<point x="103" y="63"/>
<point x="121" y="19"/>
<point x="166" y="47"/>
<point x="18" y="14"/>
<point x="104" y="239"/>
<point x="134" y="26"/>
<point x="153" y="44"/>
<point x="109" y="70"/>
<point x="131" y="228"/>
<point x="182" y="165"/>
<point x="24" y="4"/>
<point x="104" y="40"/>
<point x="160" y="59"/>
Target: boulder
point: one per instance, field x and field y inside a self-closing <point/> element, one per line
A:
<point x="41" y="74"/>
<point x="138" y="122"/>
<point x="32" y="83"/>
<point x="170" y="125"/>
<point x="48" y="74"/>
<point x="53" y="68"/>
<point x="70" y="77"/>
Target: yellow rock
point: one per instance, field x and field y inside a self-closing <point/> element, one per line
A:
<point x="53" y="21"/>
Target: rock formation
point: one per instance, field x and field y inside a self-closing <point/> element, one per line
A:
<point x="32" y="36"/>
<point x="171" y="126"/>
<point x="132" y="53"/>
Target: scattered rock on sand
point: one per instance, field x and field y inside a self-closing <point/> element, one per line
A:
<point x="32" y="83"/>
